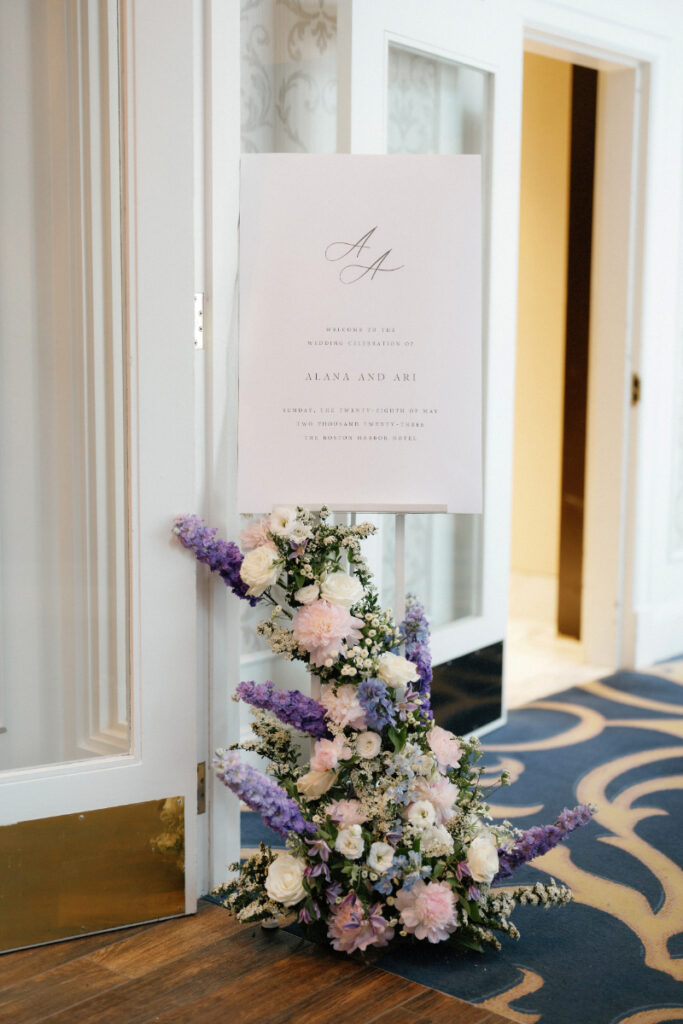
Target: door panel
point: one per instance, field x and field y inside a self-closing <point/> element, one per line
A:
<point x="100" y="357"/>
<point x="447" y="78"/>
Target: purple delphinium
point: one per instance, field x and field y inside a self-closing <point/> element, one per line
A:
<point x="540" y="838"/>
<point x="415" y="632"/>
<point x="221" y="556"/>
<point x="291" y="706"/>
<point x="376" y="703"/>
<point x="278" y="810"/>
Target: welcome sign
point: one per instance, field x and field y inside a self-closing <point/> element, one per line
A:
<point x="360" y="333"/>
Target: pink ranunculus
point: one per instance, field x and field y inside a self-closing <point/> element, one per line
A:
<point x="328" y="753"/>
<point x="441" y="793"/>
<point x="428" y="910"/>
<point x="320" y="628"/>
<point x="343" y="707"/>
<point x="350" y="928"/>
<point x="445" y="747"/>
<point x="255" y="535"/>
<point x="347" y="812"/>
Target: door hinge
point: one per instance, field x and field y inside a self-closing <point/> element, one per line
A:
<point x="635" y="389"/>
<point x="199" y="319"/>
<point x="201" y="787"/>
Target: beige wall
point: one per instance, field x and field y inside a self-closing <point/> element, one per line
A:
<point x="541" y="315"/>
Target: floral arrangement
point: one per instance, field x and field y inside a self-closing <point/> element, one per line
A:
<point x="387" y="826"/>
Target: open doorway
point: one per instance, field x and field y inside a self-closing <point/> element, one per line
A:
<point x="554" y="443"/>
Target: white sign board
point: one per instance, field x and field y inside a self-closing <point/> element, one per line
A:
<point x="360" y="333"/>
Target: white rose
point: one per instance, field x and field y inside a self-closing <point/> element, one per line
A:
<point x="436" y="841"/>
<point x="368" y="744"/>
<point x="420" y="814"/>
<point x="340" y="588"/>
<point x="350" y="842"/>
<point x="300" y="532"/>
<point x="394" y="670"/>
<point x="314" y="783"/>
<point x="260" y="570"/>
<point x="284" y="881"/>
<point x="283" y="520"/>
<point x="307" y="595"/>
<point x="381" y="857"/>
<point x="482" y="857"/>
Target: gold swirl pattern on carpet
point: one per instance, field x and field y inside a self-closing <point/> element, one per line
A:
<point x="619" y="815"/>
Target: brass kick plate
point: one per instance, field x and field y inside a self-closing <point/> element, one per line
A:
<point x="80" y="873"/>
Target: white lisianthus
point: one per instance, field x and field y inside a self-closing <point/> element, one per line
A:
<point x="381" y="857"/>
<point x="314" y="783"/>
<point x="421" y="814"/>
<point x="284" y="881"/>
<point x="308" y="594"/>
<point x="350" y="842"/>
<point x="340" y="588"/>
<point x="283" y="520"/>
<point x="368" y="744"/>
<point x="260" y="570"/>
<point x="394" y="670"/>
<point x="482" y="857"/>
<point x="436" y="841"/>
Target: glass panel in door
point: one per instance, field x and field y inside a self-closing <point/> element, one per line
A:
<point x="441" y="106"/>
<point x="63" y="434"/>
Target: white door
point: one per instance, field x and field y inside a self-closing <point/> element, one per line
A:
<point x="445" y="77"/>
<point x="97" y="735"/>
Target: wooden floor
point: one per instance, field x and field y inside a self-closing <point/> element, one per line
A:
<point x="208" y="969"/>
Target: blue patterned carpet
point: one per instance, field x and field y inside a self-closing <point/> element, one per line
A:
<point x="615" y="955"/>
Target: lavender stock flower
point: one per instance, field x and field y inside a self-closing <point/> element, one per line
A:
<point x="539" y="839"/>
<point x="221" y="556"/>
<point x="291" y="706"/>
<point x="279" y="811"/>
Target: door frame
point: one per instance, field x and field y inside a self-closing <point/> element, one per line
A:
<point x="632" y="63"/>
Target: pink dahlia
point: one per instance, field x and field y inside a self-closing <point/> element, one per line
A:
<point x="428" y="910"/>
<point x="343" y="707"/>
<point x="442" y="794"/>
<point x="321" y="627"/>
<point x="347" y="812"/>
<point x="349" y="927"/>
<point x="256" y="535"/>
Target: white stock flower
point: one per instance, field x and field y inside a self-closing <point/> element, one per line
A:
<point x="381" y="857"/>
<point x="314" y="783"/>
<point x="284" y="881"/>
<point x="394" y="670"/>
<point x="308" y="594"/>
<point x="482" y="857"/>
<point x="260" y="570"/>
<point x="283" y="520"/>
<point x="350" y="842"/>
<point x="368" y="744"/>
<point x="421" y="814"/>
<point x="436" y="841"/>
<point x="340" y="588"/>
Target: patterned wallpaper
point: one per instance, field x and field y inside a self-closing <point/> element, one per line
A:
<point x="289" y="76"/>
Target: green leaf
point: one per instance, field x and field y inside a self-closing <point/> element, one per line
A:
<point x="469" y="943"/>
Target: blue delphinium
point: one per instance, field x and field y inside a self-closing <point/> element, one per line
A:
<point x="415" y="632"/>
<point x="377" y="704"/>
